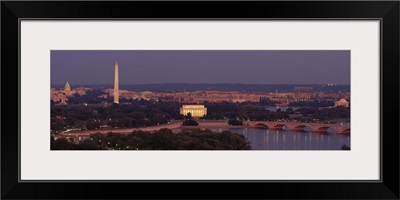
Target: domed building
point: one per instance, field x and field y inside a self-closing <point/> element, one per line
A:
<point x="342" y="102"/>
<point x="67" y="87"/>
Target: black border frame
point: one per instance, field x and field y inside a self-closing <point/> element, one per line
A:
<point x="200" y="19"/>
<point x="386" y="11"/>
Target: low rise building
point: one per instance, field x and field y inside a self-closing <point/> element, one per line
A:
<point x="342" y="102"/>
<point x="194" y="110"/>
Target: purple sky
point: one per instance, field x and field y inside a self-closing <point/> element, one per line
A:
<point x="198" y="66"/>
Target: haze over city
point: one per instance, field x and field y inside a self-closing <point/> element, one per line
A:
<point x="201" y="66"/>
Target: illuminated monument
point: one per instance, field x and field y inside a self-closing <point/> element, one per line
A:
<point x="116" y="87"/>
<point x="195" y="110"/>
<point x="67" y="87"/>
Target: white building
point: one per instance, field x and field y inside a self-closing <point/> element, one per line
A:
<point x="194" y="110"/>
<point x="342" y="102"/>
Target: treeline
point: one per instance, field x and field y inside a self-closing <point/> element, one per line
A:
<point x="91" y="97"/>
<point x="190" y="122"/>
<point x="163" y="139"/>
<point x="226" y="110"/>
<point x="229" y="111"/>
<point x="139" y="113"/>
<point x="309" y="114"/>
<point x="235" y="122"/>
<point x="314" y="103"/>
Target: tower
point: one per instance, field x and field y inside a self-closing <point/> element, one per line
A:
<point x="116" y="87"/>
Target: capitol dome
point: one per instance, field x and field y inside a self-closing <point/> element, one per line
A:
<point x="342" y="101"/>
<point x="67" y="87"/>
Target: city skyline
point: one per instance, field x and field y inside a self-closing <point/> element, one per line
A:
<point x="206" y="67"/>
<point x="138" y="118"/>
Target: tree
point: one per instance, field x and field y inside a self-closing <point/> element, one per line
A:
<point x="189" y="115"/>
<point x="88" y="145"/>
<point x="164" y="139"/>
<point x="61" y="144"/>
<point x="78" y="124"/>
<point x="158" y="118"/>
<point x="289" y="110"/>
<point x="235" y="122"/>
<point x="92" y="124"/>
<point x="190" y="122"/>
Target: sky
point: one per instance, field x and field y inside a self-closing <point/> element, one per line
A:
<point x="86" y="67"/>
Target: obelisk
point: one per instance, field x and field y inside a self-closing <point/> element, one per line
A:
<point x="116" y="87"/>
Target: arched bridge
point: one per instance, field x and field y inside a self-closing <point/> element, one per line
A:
<point x="299" y="126"/>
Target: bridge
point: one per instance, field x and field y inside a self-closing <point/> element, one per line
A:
<point x="299" y="126"/>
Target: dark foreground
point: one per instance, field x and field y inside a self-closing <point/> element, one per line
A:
<point x="163" y="139"/>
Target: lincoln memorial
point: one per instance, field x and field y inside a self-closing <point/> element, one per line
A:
<point x="195" y="110"/>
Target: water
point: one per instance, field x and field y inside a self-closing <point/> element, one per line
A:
<point x="268" y="139"/>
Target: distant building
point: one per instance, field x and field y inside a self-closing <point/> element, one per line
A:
<point x="60" y="96"/>
<point x="146" y="95"/>
<point x="81" y="90"/>
<point x="342" y="102"/>
<point x="67" y="87"/>
<point x="195" y="110"/>
<point x="167" y="98"/>
<point x="238" y="100"/>
<point x="302" y="88"/>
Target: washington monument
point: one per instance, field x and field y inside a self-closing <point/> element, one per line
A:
<point x="116" y="87"/>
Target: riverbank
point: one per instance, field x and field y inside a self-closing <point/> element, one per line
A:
<point x="172" y="126"/>
<point x="212" y="125"/>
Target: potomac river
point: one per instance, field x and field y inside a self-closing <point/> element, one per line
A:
<point x="269" y="139"/>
